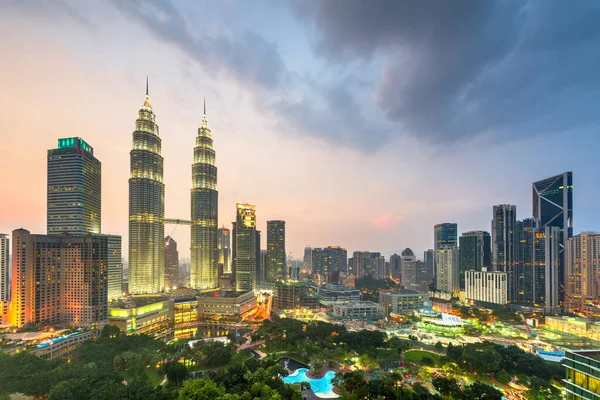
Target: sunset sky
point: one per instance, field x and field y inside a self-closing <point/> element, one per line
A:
<point x="359" y="123"/>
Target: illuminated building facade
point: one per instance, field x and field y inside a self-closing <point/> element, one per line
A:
<point x="245" y="247"/>
<point x="447" y="273"/>
<point x="146" y="206"/>
<point x="505" y="248"/>
<point x="486" y="288"/>
<point x="582" y="381"/>
<point x="149" y="316"/>
<point x="582" y="258"/>
<point x="224" y="248"/>
<point x="546" y="265"/>
<point x="74" y="188"/>
<point x="553" y="207"/>
<point x="115" y="267"/>
<point x="475" y="253"/>
<point x="171" y="264"/>
<point x="276" y="263"/>
<point x="4" y="283"/>
<point x="528" y="278"/>
<point x="204" y="212"/>
<point x="228" y="306"/>
<point x="401" y="301"/>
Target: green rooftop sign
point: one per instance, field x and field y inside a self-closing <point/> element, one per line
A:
<point x="76" y="143"/>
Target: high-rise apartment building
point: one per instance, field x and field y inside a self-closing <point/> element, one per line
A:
<point x="171" y="264"/>
<point x="115" y="267"/>
<point x="205" y="211"/>
<point x="447" y="273"/>
<point x="362" y="264"/>
<point x="582" y="269"/>
<point x="429" y="259"/>
<point x="395" y="262"/>
<point x="276" y="264"/>
<point x="486" y="288"/>
<point x="547" y="253"/>
<point x="245" y="247"/>
<point x="553" y="206"/>
<point x="317" y="261"/>
<point x="4" y="267"/>
<point x="146" y="206"/>
<point x="474" y="254"/>
<point x="505" y="244"/>
<point x="74" y="187"/>
<point x="329" y="259"/>
<point x="307" y="260"/>
<point x="407" y="256"/>
<point x="224" y="248"/>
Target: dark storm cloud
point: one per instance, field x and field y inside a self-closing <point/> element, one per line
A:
<point x="458" y="69"/>
<point x="250" y="59"/>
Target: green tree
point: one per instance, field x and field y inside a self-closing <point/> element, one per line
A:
<point x="201" y="389"/>
<point x="176" y="372"/>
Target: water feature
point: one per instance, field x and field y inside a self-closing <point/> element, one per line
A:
<point x="322" y="386"/>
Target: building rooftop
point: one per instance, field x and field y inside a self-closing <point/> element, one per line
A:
<point x="403" y="291"/>
<point x="227" y="294"/>
<point x="137" y="301"/>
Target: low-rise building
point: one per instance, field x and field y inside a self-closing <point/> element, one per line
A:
<point x="582" y="379"/>
<point x="331" y="292"/>
<point x="356" y="310"/>
<point x="227" y="306"/>
<point x="487" y="289"/>
<point x="401" y="301"/>
<point x="62" y="346"/>
<point x="150" y="315"/>
<point x="574" y="326"/>
<point x="292" y="295"/>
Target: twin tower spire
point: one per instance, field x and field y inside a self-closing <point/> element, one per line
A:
<point x="146" y="208"/>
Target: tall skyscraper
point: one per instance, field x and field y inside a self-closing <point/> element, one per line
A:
<point x="171" y="263"/>
<point x="362" y="264"/>
<point x="429" y="259"/>
<point x="474" y="254"/>
<point x="307" y="264"/>
<point x="146" y="206"/>
<point x="553" y="206"/>
<point x="504" y="244"/>
<point x="224" y="247"/>
<point x="546" y="262"/>
<point x="260" y="263"/>
<point x="447" y="274"/>
<point x="581" y="272"/>
<point x="334" y="259"/>
<point x="74" y="187"/>
<point x="4" y="268"/>
<point x="526" y="274"/>
<point x="444" y="234"/>
<point x="317" y="261"/>
<point x="407" y="256"/>
<point x="395" y="263"/>
<point x="205" y="211"/>
<point x="245" y="247"/>
<point x="115" y="267"/>
<point x="276" y="268"/>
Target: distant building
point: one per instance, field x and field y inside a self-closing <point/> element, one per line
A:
<point x="245" y="248"/>
<point x="505" y="253"/>
<point x="334" y="258"/>
<point x="395" y="263"/>
<point x="356" y="310"/>
<point x="447" y="273"/>
<point x="227" y="306"/>
<point x="74" y="188"/>
<point x="582" y="258"/>
<point x="143" y="315"/>
<point x="317" y="261"/>
<point x="486" y="288"/>
<point x="307" y="264"/>
<point x="415" y="276"/>
<point x="4" y="267"/>
<point x="444" y="234"/>
<point x="289" y="296"/>
<point x="429" y="259"/>
<point x="362" y="264"/>
<point x="224" y="248"/>
<point x="171" y="264"/>
<point x="331" y="292"/>
<point x="475" y="253"/>
<point x="408" y="257"/>
<point x="261" y="262"/>
<point x="115" y="267"/>
<point x="401" y="301"/>
<point x="276" y="260"/>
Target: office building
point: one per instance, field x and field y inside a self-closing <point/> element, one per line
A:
<point x="74" y="187"/>
<point x="171" y="264"/>
<point x="260" y="261"/>
<point x="204" y="211"/>
<point x="407" y="256"/>
<point x="4" y="267"/>
<point x="582" y="381"/>
<point x="224" y="248"/>
<point x="331" y="292"/>
<point x="356" y="310"/>
<point x="475" y="253"/>
<point x="403" y="301"/>
<point x="553" y="206"/>
<point x="144" y="315"/>
<point x="276" y="268"/>
<point x="146" y="206"/>
<point x="527" y="276"/>
<point x="415" y="276"/>
<point x="546" y="265"/>
<point x="504" y="244"/>
<point x="395" y="263"/>
<point x="486" y="289"/>
<point x="245" y="247"/>
<point x="317" y="261"/>
<point x="445" y="234"/>
<point x="429" y="259"/>
<point x="226" y="306"/>
<point x="307" y="260"/>
<point x="115" y="267"/>
<point x="447" y="273"/>
<point x="582" y="268"/>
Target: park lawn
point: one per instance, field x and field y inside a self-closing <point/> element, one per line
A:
<point x="417" y="356"/>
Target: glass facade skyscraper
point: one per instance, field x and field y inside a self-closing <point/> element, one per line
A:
<point x="245" y="248"/>
<point x="276" y="262"/>
<point x="205" y="211"/>
<point x="224" y="248"/>
<point x="171" y="264"/>
<point x="505" y="244"/>
<point x="146" y="206"/>
<point x="74" y="188"/>
<point x="474" y="254"/>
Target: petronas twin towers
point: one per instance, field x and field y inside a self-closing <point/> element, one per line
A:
<point x="147" y="208"/>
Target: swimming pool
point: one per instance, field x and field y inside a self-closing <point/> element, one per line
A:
<point x="322" y="387"/>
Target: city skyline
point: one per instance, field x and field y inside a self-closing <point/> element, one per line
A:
<point x="388" y="223"/>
